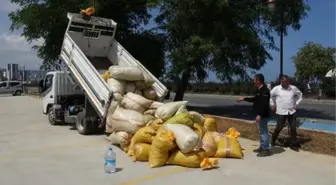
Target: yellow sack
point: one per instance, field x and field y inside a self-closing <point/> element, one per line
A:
<point x="210" y="124"/>
<point x="232" y="133"/>
<point x="105" y="76"/>
<point x="155" y="124"/>
<point x="209" y="163"/>
<point x="182" y="118"/>
<point x="141" y="152"/>
<point x="199" y="130"/>
<point x="209" y="145"/>
<point x="124" y="148"/>
<point x="197" y="117"/>
<point x="161" y="130"/>
<point x="229" y="148"/>
<point x="217" y="136"/>
<point x="148" y="118"/>
<point x="192" y="159"/>
<point x="163" y="142"/>
<point x="143" y="135"/>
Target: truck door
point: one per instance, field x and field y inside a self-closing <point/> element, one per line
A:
<point x="48" y="92"/>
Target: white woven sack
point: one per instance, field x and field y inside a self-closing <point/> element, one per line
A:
<point x="141" y="85"/>
<point x="125" y="120"/>
<point x="168" y="110"/>
<point x="197" y="117"/>
<point x="138" y="92"/>
<point x="186" y="139"/>
<point x="149" y="93"/>
<point x="139" y="99"/>
<point x="116" y="86"/>
<point x="119" y="138"/>
<point x="130" y="87"/>
<point x="128" y="73"/>
<point x="130" y="104"/>
<point x="156" y="105"/>
<point x="113" y="106"/>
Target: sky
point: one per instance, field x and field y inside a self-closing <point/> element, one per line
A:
<point x="318" y="27"/>
<point x="13" y="47"/>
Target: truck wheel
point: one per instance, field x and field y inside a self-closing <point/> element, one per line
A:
<point x="100" y="130"/>
<point x="83" y="125"/>
<point x="51" y="116"/>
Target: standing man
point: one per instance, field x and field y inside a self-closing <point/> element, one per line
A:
<point x="261" y="111"/>
<point x="284" y="99"/>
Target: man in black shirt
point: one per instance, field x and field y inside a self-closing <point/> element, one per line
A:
<point x="261" y="110"/>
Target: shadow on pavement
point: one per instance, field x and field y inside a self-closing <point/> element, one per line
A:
<point x="245" y="112"/>
<point x="277" y="150"/>
<point x="301" y="140"/>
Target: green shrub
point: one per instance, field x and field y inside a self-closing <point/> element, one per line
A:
<point x="328" y="86"/>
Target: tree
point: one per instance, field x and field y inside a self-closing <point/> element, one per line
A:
<point x="224" y="36"/>
<point x="47" y="19"/>
<point x="328" y="86"/>
<point x="148" y="47"/>
<point x="313" y="61"/>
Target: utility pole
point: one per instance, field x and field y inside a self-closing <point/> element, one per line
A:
<point x="22" y="75"/>
<point x="273" y="5"/>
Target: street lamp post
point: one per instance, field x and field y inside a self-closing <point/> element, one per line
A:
<point x="272" y="4"/>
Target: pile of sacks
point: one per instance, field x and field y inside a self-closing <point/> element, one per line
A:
<point x="133" y="102"/>
<point x="162" y="133"/>
<point x="129" y="79"/>
<point x="173" y="136"/>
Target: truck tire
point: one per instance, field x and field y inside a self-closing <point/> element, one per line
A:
<point x="100" y="130"/>
<point x="51" y="116"/>
<point x="83" y="125"/>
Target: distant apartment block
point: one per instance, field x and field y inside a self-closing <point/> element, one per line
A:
<point x="20" y="74"/>
<point x="13" y="72"/>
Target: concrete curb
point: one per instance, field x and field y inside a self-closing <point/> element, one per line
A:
<point x="252" y="122"/>
<point x="219" y="96"/>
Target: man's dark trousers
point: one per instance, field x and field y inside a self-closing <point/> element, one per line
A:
<point x="281" y="121"/>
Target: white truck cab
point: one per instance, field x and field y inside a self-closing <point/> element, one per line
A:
<point x="79" y="95"/>
<point x="55" y="84"/>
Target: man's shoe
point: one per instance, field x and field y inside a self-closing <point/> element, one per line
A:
<point x="258" y="150"/>
<point x="264" y="153"/>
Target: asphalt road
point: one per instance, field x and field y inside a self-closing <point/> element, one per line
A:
<point x="221" y="105"/>
<point x="228" y="106"/>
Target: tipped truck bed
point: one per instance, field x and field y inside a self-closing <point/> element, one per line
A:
<point x="86" y="71"/>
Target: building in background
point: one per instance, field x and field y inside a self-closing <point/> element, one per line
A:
<point x="13" y="72"/>
<point x="3" y="74"/>
<point x="20" y="73"/>
<point x="24" y="75"/>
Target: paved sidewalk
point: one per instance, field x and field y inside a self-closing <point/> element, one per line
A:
<point x="35" y="153"/>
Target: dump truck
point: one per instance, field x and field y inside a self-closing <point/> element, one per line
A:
<point x="78" y="95"/>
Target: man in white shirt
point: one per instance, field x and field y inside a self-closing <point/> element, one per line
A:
<point x="284" y="100"/>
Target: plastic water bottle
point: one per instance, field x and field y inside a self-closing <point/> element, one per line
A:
<point x="110" y="160"/>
